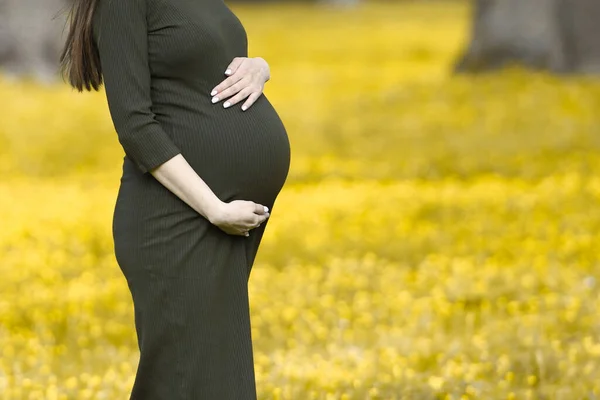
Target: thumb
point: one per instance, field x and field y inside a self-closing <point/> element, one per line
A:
<point x="233" y="66"/>
<point x="260" y="209"/>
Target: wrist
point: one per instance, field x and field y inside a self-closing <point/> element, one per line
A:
<point x="213" y="210"/>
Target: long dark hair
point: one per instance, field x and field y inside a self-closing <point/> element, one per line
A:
<point x="79" y="59"/>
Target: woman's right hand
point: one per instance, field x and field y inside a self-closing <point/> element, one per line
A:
<point x="239" y="216"/>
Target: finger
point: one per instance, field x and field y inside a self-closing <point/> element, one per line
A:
<point x="233" y="66"/>
<point x="262" y="220"/>
<point x="251" y="99"/>
<point x="245" y="92"/>
<point x="254" y="225"/>
<point x="260" y="209"/>
<point x="231" y="90"/>
<point x="249" y="221"/>
<point x="243" y="232"/>
<point x="259" y="220"/>
<point x="218" y="91"/>
<point x="225" y="84"/>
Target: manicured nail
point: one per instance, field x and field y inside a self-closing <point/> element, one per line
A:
<point x="213" y="92"/>
<point x="227" y="104"/>
<point x="215" y="99"/>
<point x="244" y="108"/>
<point x="266" y="209"/>
<point x="227" y="72"/>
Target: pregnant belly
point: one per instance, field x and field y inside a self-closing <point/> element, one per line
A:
<point x="239" y="154"/>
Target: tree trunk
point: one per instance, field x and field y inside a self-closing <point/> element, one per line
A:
<point x="557" y="35"/>
<point x="31" y="35"/>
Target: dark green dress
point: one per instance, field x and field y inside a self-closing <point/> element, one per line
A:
<point x="188" y="279"/>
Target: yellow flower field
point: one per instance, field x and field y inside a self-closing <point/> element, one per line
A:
<point x="437" y="237"/>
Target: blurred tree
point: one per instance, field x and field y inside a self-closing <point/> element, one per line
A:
<point x="558" y="35"/>
<point x="30" y="32"/>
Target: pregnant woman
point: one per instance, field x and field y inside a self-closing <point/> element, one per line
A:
<point x="206" y="155"/>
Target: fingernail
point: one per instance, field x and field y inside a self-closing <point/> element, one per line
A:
<point x="215" y="99"/>
<point x="244" y="108"/>
<point x="226" y="104"/>
<point x="213" y="92"/>
<point x="227" y="72"/>
<point x="266" y="209"/>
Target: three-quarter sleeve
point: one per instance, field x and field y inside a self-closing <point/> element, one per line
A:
<point x="121" y="35"/>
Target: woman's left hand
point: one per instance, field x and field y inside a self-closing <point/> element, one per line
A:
<point x="247" y="78"/>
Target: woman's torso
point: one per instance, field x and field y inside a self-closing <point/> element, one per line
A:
<point x="239" y="154"/>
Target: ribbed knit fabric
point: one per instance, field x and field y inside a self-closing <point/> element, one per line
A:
<point x="188" y="279"/>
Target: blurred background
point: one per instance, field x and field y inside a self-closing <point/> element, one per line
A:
<point x="437" y="237"/>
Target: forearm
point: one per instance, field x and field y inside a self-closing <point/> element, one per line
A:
<point x="181" y="179"/>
